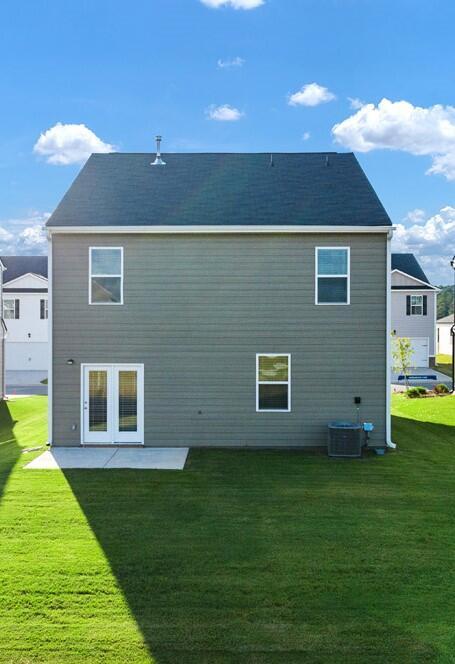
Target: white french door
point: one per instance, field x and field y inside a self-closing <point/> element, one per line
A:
<point x="112" y="403"/>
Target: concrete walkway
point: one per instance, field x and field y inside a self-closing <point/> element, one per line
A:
<point x="148" y="458"/>
<point x="421" y="376"/>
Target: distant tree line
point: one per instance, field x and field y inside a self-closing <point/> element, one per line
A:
<point x="445" y="301"/>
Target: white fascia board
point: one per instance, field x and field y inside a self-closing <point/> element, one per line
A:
<point x="175" y="230"/>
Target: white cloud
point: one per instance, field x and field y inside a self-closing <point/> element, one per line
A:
<point x="432" y="241"/>
<point x="65" y="144"/>
<point x="311" y="94"/>
<point x="415" y="216"/>
<point x="224" y="113"/>
<point x="24" y="235"/>
<point x="306" y="136"/>
<point x="235" y="4"/>
<point x="355" y="103"/>
<point x="402" y="126"/>
<point x="230" y="63"/>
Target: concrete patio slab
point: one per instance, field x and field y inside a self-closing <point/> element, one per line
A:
<point x="165" y="458"/>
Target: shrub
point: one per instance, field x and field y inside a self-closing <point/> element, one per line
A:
<point x="441" y="389"/>
<point x="416" y="392"/>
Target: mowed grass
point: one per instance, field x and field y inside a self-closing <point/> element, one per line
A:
<point x="444" y="364"/>
<point x="245" y="557"/>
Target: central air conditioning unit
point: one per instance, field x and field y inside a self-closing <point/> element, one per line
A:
<point x="345" y="439"/>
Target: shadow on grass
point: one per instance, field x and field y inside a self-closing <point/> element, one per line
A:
<point x="257" y="557"/>
<point x="9" y="449"/>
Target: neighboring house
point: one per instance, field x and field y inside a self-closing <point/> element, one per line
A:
<point x="218" y="300"/>
<point x="444" y="335"/>
<point x="3" y="333"/>
<point x="25" y="312"/>
<point x="414" y="302"/>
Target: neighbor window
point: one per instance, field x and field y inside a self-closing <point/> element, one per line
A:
<point x="416" y="305"/>
<point x="10" y="309"/>
<point x="332" y="275"/>
<point x="43" y="314"/>
<point x="106" y="275"/>
<point x="273" y="383"/>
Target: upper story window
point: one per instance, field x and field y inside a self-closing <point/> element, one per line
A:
<point x="11" y="309"/>
<point x="106" y="275"/>
<point x="273" y="383"/>
<point x="416" y="305"/>
<point x="43" y="310"/>
<point x="332" y="275"/>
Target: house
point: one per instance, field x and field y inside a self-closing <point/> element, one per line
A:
<point x="218" y="300"/>
<point x="414" y="302"/>
<point x="25" y="312"/>
<point x="3" y="334"/>
<point x="444" y="334"/>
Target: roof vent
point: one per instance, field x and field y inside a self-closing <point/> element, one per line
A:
<point x="158" y="161"/>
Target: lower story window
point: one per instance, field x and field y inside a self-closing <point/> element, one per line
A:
<point x="273" y="382"/>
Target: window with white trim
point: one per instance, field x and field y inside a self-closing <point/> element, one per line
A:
<point x="11" y="309"/>
<point x="273" y="382"/>
<point x="106" y="275"/>
<point x="416" y="305"/>
<point x="332" y="275"/>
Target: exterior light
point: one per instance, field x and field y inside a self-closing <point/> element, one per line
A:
<point x="70" y="362"/>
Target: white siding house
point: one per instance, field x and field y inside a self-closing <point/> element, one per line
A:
<point x="413" y="310"/>
<point x="444" y="337"/>
<point x="25" y="312"/>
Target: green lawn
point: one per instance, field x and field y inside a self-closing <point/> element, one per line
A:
<point x="444" y="364"/>
<point x="255" y="557"/>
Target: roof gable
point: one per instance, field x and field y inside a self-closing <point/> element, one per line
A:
<point x="408" y="264"/>
<point x="17" y="266"/>
<point x="28" y="280"/>
<point x="294" y="189"/>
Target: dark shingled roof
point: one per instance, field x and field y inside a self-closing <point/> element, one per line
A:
<point x="16" y="266"/>
<point x="408" y="264"/>
<point x="121" y="189"/>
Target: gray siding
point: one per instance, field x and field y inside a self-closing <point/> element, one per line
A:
<point x="198" y="309"/>
<point x="414" y="326"/>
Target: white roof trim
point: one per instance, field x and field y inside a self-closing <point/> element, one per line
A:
<point x="7" y="284"/>
<point x="175" y="230"/>
<point x="419" y="281"/>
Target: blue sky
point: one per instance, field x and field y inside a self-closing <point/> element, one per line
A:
<point x="130" y="70"/>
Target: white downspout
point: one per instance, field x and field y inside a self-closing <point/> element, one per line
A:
<point x="49" y="328"/>
<point x="388" y="374"/>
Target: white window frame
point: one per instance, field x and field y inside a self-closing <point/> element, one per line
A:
<point x="332" y="276"/>
<point x="13" y="300"/>
<point x="90" y="276"/>
<point x="273" y="382"/>
<point x="414" y="313"/>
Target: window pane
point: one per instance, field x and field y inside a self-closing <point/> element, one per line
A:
<point x="332" y="261"/>
<point x="273" y="397"/>
<point x="127" y="400"/>
<point x="273" y="368"/>
<point x="97" y="414"/>
<point x="8" y="309"/>
<point x="106" y="261"/>
<point x="106" y="289"/>
<point x="416" y="299"/>
<point x="332" y="290"/>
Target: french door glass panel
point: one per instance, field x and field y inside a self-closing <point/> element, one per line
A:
<point x="113" y="404"/>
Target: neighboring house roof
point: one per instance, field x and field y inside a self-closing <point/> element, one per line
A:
<point x="301" y="189"/>
<point x="18" y="266"/>
<point x="408" y="264"/>
<point x="446" y="319"/>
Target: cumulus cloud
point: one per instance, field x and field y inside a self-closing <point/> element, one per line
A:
<point x="415" y="216"/>
<point x="432" y="240"/>
<point x="402" y="126"/>
<point x="235" y="4"/>
<point x="231" y="63"/>
<point x="25" y="235"/>
<point x="355" y="103"/>
<point x="224" y="113"/>
<point x="65" y="144"/>
<point x="311" y="94"/>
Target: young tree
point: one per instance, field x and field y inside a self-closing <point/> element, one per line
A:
<point x="402" y="356"/>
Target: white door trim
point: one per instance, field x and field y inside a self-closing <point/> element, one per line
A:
<point x="113" y="433"/>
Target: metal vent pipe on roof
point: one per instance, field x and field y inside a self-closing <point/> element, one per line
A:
<point x="158" y="161"/>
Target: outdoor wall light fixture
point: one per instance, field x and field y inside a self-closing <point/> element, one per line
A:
<point x="70" y="362"/>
